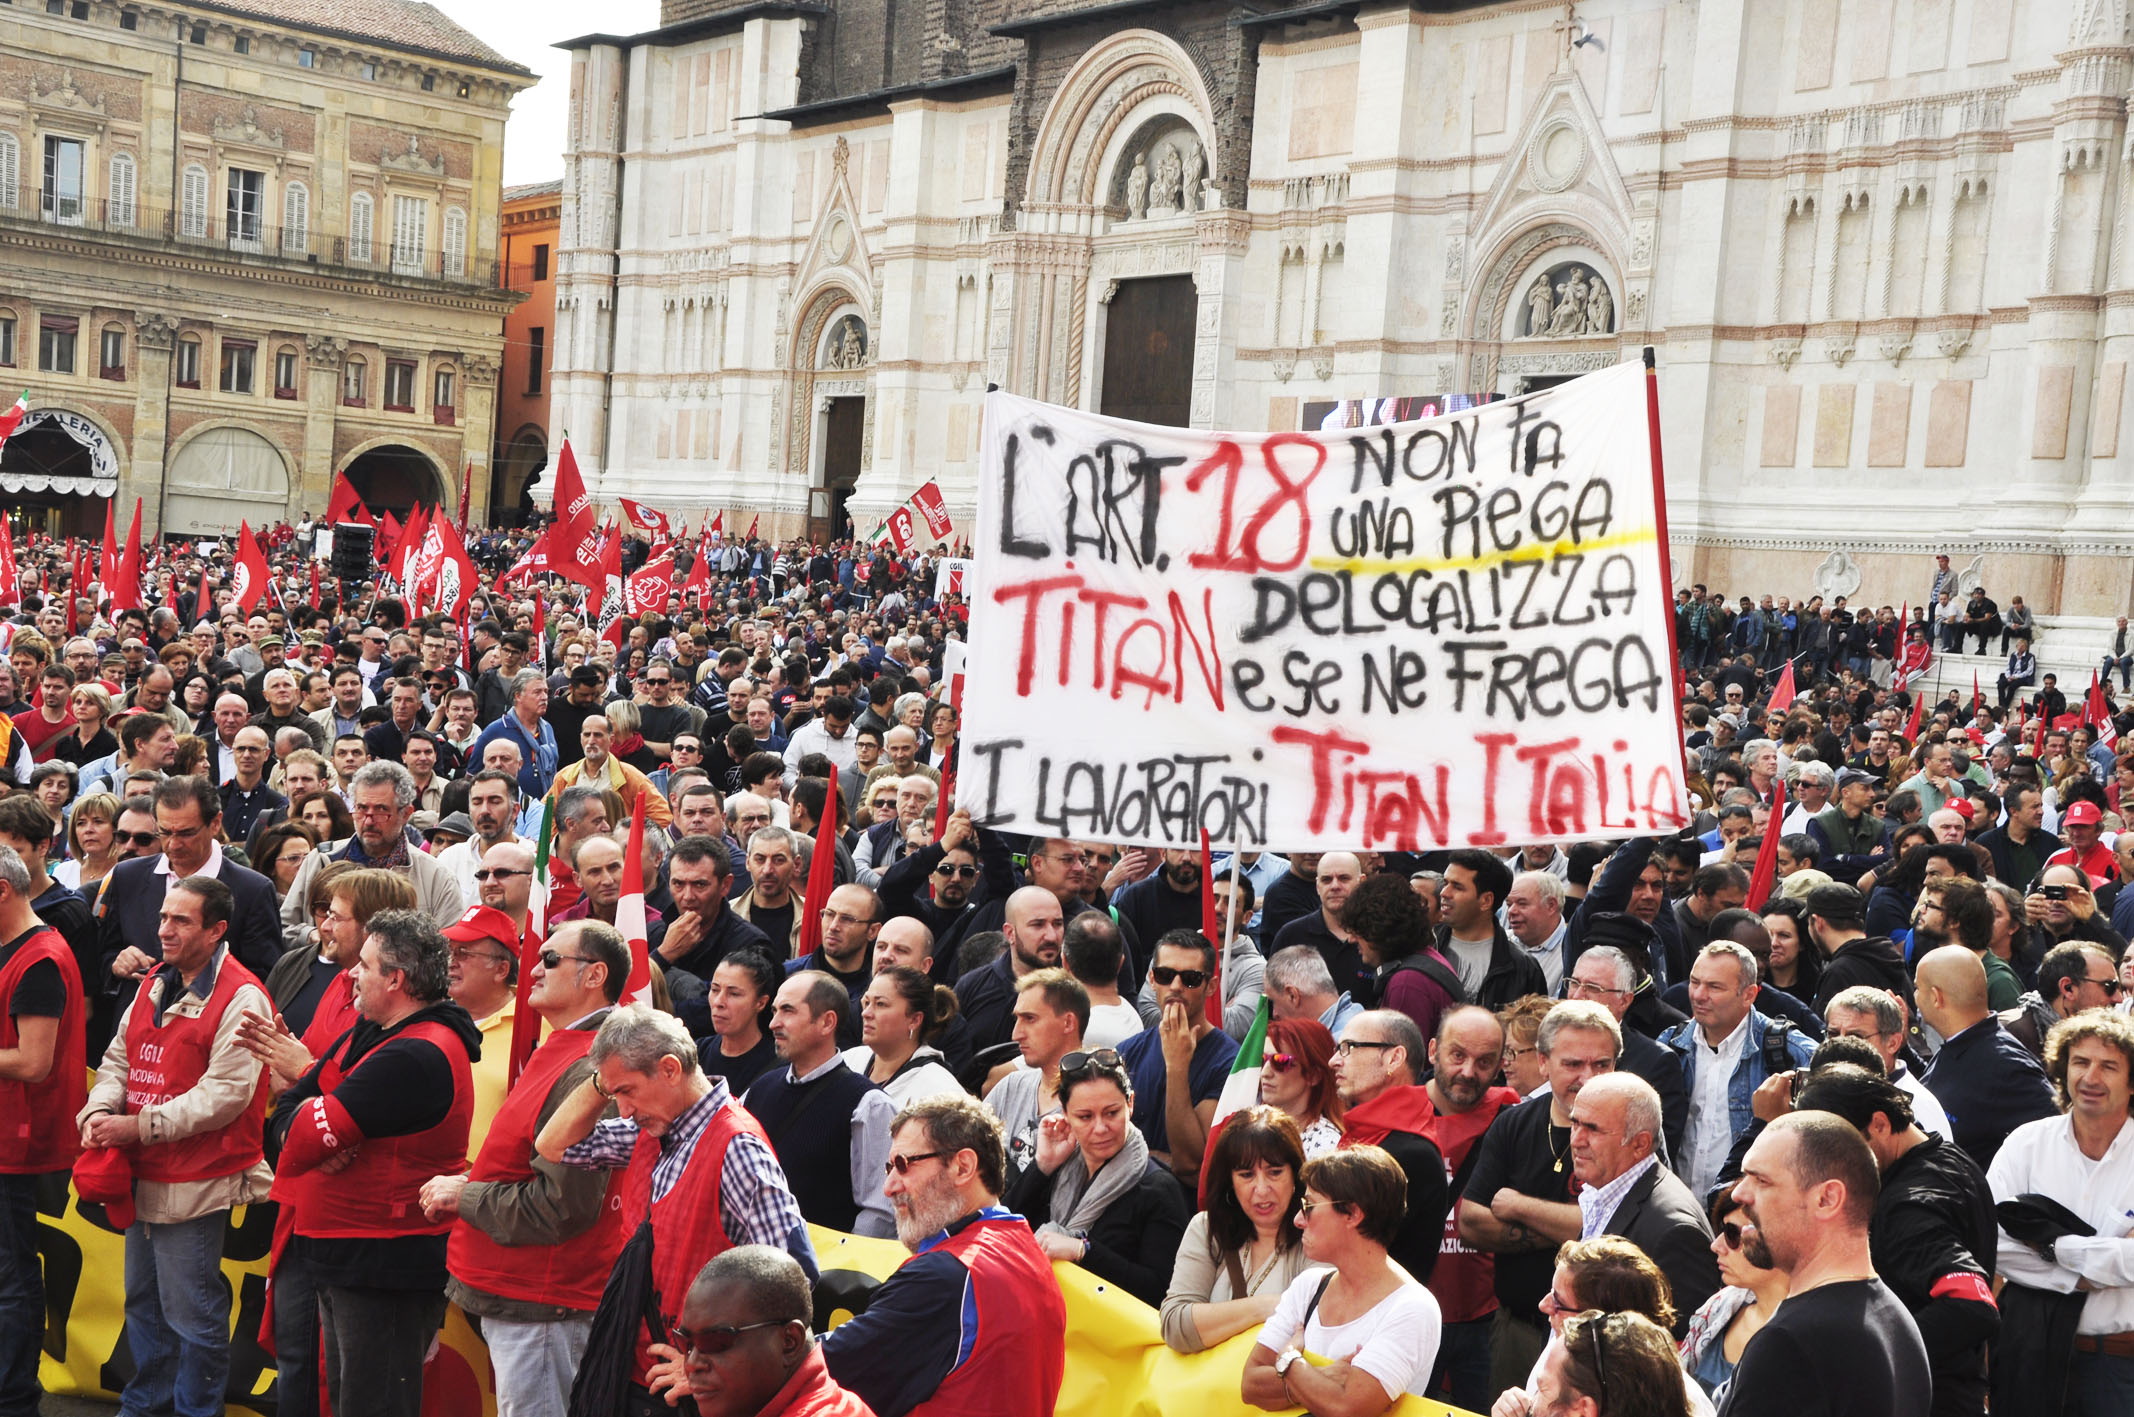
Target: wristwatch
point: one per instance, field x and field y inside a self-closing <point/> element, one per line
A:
<point x="1284" y="1360"/>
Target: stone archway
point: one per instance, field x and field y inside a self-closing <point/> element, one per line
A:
<point x="394" y="476"/>
<point x="511" y="487"/>
<point x="223" y="475"/>
<point x="833" y="401"/>
<point x="1581" y="331"/>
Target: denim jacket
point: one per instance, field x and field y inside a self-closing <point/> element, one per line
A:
<point x="1750" y="1072"/>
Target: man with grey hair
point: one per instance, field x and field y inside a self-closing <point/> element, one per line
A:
<point x="382" y="796"/>
<point x="1727" y="1049"/>
<point x="1533" y="914"/>
<point x="284" y="709"/>
<point x="1864" y="1011"/>
<point x="1808" y="789"/>
<point x="527" y="727"/>
<point x="1606" y="976"/>
<point x="581" y="814"/>
<point x="1299" y="985"/>
<point x="1624" y="1190"/>
<point x="402" y="1078"/>
<point x="700" y="1171"/>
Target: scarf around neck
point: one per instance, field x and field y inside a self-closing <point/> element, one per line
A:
<point x="1080" y="1199"/>
<point x="1397" y="1109"/>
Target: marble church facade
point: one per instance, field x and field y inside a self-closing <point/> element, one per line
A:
<point x="1879" y="246"/>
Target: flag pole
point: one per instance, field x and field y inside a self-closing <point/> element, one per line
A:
<point x="1659" y="527"/>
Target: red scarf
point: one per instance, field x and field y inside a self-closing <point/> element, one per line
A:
<point x="1397" y="1109"/>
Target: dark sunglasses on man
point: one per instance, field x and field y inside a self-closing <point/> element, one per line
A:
<point x="1164" y="976"/>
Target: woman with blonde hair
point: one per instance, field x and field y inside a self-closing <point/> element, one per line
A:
<point x="91" y="737"/>
<point x="92" y="843"/>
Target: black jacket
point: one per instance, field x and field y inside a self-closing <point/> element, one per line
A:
<point x="1934" y="1236"/>
<point x="904" y="891"/>
<point x="1135" y="1241"/>
<point x="1513" y="973"/>
<point x="1610" y="891"/>
<point x="128" y="911"/>
<point x="1873" y="960"/>
<point x="1660" y="1216"/>
<point x="1662" y="1067"/>
<point x="1989" y="1085"/>
<point x="1422" y="1224"/>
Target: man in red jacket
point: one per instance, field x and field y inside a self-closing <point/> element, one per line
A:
<point x="745" y="1344"/>
<point x="973" y="1321"/>
<point x="43" y="1080"/>
<point x="535" y="1239"/>
<point x="177" y="1091"/>
<point x="384" y="1110"/>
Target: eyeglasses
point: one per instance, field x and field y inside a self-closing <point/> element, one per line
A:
<point x="718" y="1338"/>
<point x="1081" y="1062"/>
<point x="1280" y="1062"/>
<point x="464" y="953"/>
<point x="1595" y="1322"/>
<point x="1307" y="1207"/>
<point x="2111" y="987"/>
<point x="840" y="919"/>
<point x="1191" y="978"/>
<point x="1579" y="988"/>
<point x="1349" y="1045"/>
<point x="498" y="873"/>
<point x="1550" y="1304"/>
<point x="961" y="873"/>
<point x="662" y="680"/>
<point x="551" y="959"/>
<point x="902" y="1164"/>
<point x="1731" y="1233"/>
<point x="137" y="838"/>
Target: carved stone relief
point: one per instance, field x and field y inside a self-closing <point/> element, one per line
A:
<point x="1566" y="301"/>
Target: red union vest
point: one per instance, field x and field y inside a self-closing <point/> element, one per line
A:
<point x="686" y="1228"/>
<point x="1465" y="1280"/>
<point x="37" y="1131"/>
<point x="168" y="1060"/>
<point x="571" y="1274"/>
<point x="1017" y="1365"/>
<point x="376" y="1194"/>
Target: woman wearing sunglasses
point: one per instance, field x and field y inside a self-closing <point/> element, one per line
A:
<point x="1723" y="1326"/>
<point x="1297" y="1076"/>
<point x="1108" y="1206"/>
<point x="1240" y="1253"/>
<point x="1366" y="1308"/>
<point x="1608" y="1275"/>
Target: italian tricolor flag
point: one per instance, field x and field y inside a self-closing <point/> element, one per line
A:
<point x="1242" y="1088"/>
<point x="14" y="415"/>
<point x="525" y="1023"/>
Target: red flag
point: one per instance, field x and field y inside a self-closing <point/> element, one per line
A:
<point x="2097" y="715"/>
<point x="361" y="516"/>
<point x="10" y="580"/>
<point x="1904" y="642"/>
<point x="630" y="916"/>
<point x="571" y="548"/>
<point x="14" y="415"/>
<point x="752" y="522"/>
<point x="822" y="873"/>
<point x="126" y="594"/>
<point x="611" y="592"/>
<point x="646" y="518"/>
<point x="466" y="490"/>
<point x="1782" y="696"/>
<point x="1211" y="925"/>
<point x="252" y="572"/>
<point x="699" y="580"/>
<point x="107" y="571"/>
<point x="931" y="506"/>
<point x="650" y="587"/>
<point x="1976" y="697"/>
<point x="533" y="563"/>
<point x="1919" y="709"/>
<point x="342" y="503"/>
<point x="945" y="799"/>
<point x="451" y="571"/>
<point x="900" y="530"/>
<point x="540" y="630"/>
<point x="718" y="524"/>
<point x="1766" y="872"/>
<point x="388" y="538"/>
<point x="2037" y="750"/>
<point x="406" y="546"/>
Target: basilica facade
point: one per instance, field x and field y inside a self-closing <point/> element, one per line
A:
<point x="1877" y="246"/>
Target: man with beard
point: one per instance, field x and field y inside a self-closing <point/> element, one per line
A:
<point x="946" y="886"/>
<point x="1034" y="927"/>
<point x="1842" y="1344"/>
<point x="1933" y="1234"/>
<point x="1178" y="1067"/>
<point x="1464" y="1056"/>
<point x="1166" y="901"/>
<point x="493" y="807"/>
<point x="974" y="1318"/>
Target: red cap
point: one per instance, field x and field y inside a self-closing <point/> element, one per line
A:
<point x="1962" y="807"/>
<point x="483" y="922"/>
<point x="2082" y="814"/>
<point x="103" y="1175"/>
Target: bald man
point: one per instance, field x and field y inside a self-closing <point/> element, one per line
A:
<point x="1985" y="1079"/>
<point x="1034" y="927"/>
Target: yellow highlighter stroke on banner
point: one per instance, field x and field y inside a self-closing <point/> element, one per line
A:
<point x="1117" y="1364"/>
<point x="1516" y="556"/>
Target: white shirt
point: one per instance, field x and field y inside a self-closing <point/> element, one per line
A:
<point x="1926" y="1108"/>
<point x="212" y="868"/>
<point x="1548" y="954"/>
<point x="1711" y="1125"/>
<point x="1111" y="1024"/>
<point x="460" y="859"/>
<point x="1395" y="1340"/>
<point x="2042" y="1157"/>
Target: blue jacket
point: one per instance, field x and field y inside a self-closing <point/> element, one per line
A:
<point x="1750" y="1072"/>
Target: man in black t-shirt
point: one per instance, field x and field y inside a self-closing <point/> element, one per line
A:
<point x="1520" y="1202"/>
<point x="1842" y="1344"/>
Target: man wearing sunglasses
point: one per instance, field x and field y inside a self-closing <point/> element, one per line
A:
<point x="743" y="1347"/>
<point x="533" y="1241"/>
<point x="482" y="975"/>
<point x="947" y="885"/>
<point x="920" y="1340"/>
<point x="1179" y="1066"/>
<point x="2071" y="978"/>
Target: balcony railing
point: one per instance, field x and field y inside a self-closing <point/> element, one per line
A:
<point x="252" y="240"/>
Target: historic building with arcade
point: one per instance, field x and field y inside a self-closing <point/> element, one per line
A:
<point x="1878" y="245"/>
<point x="243" y="245"/>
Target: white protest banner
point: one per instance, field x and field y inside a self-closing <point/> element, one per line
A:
<point x="1425" y="635"/>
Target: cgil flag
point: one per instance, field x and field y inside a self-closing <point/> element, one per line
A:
<point x="12" y="419"/>
<point x="630" y="916"/>
<point x="250" y="574"/>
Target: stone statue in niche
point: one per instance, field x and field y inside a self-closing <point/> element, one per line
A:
<point x="1540" y="305"/>
<point x="1196" y="164"/>
<point x="848" y="346"/>
<point x="1600" y="316"/>
<point x="1163" y="188"/>
<point x="1570" y="318"/>
<point x="1137" y="189"/>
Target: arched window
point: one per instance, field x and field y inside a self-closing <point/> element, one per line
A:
<point x="359" y="210"/>
<point x="192" y="203"/>
<point x="120" y="210"/>
<point x="296" y="218"/>
<point x="455" y="242"/>
<point x="10" y="168"/>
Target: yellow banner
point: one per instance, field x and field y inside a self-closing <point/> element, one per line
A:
<point x="1117" y="1364"/>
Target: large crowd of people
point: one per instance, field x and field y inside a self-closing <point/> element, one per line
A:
<point x="1618" y="1128"/>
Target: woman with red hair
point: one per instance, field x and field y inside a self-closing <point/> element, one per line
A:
<point x="1297" y="1076"/>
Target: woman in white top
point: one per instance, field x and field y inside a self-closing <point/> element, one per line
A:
<point x="1240" y="1253"/>
<point x="1371" y="1318"/>
<point x="902" y="1012"/>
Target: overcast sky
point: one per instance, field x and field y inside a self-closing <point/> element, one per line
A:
<point x="524" y="30"/>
